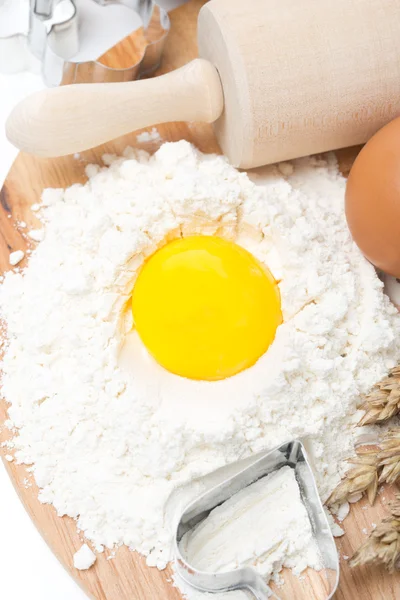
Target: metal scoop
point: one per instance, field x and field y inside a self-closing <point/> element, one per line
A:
<point x="291" y="454"/>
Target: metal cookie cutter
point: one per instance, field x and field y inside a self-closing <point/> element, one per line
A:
<point x="54" y="39"/>
<point x="292" y="454"/>
<point x="15" y="55"/>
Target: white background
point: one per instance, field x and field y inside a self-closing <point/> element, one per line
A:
<point x="28" y="570"/>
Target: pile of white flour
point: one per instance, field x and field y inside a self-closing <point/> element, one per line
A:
<point x="109" y="437"/>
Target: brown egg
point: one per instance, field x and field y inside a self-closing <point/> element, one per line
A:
<point x="373" y="199"/>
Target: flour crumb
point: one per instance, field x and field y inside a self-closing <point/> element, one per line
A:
<point x="22" y="224"/>
<point x="9" y="458"/>
<point x="35" y="207"/>
<point x="365" y="531"/>
<point x="37" y="235"/>
<point x="373" y="525"/>
<point x="16" y="257"/>
<point x="148" y="136"/>
<point x="10" y="444"/>
<point x="77" y="156"/>
<point x="84" y="558"/>
<point x="343" y="511"/>
<point x="345" y="557"/>
<point x="336" y="530"/>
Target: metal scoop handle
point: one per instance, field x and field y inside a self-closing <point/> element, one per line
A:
<point x="256" y="584"/>
<point x="262" y="591"/>
<point x="240" y="579"/>
<point x="73" y="118"/>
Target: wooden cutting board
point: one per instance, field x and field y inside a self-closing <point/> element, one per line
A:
<point x="126" y="577"/>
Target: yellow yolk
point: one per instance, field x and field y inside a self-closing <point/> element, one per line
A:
<point x="205" y="308"/>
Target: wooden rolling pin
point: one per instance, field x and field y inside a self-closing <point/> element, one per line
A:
<point x="279" y="80"/>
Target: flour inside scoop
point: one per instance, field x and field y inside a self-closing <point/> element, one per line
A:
<point x="265" y="526"/>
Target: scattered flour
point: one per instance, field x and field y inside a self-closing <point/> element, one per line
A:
<point x="148" y="136"/>
<point x="337" y="531"/>
<point x="16" y="257"/>
<point x="266" y="526"/>
<point x="37" y="235"/>
<point x="108" y="446"/>
<point x="84" y="558"/>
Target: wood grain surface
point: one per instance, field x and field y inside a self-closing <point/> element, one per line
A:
<point x="126" y="577"/>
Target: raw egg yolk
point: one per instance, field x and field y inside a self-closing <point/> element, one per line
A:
<point x="205" y="308"/>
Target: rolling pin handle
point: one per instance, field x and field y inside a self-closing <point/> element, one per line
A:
<point x="72" y="118"/>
